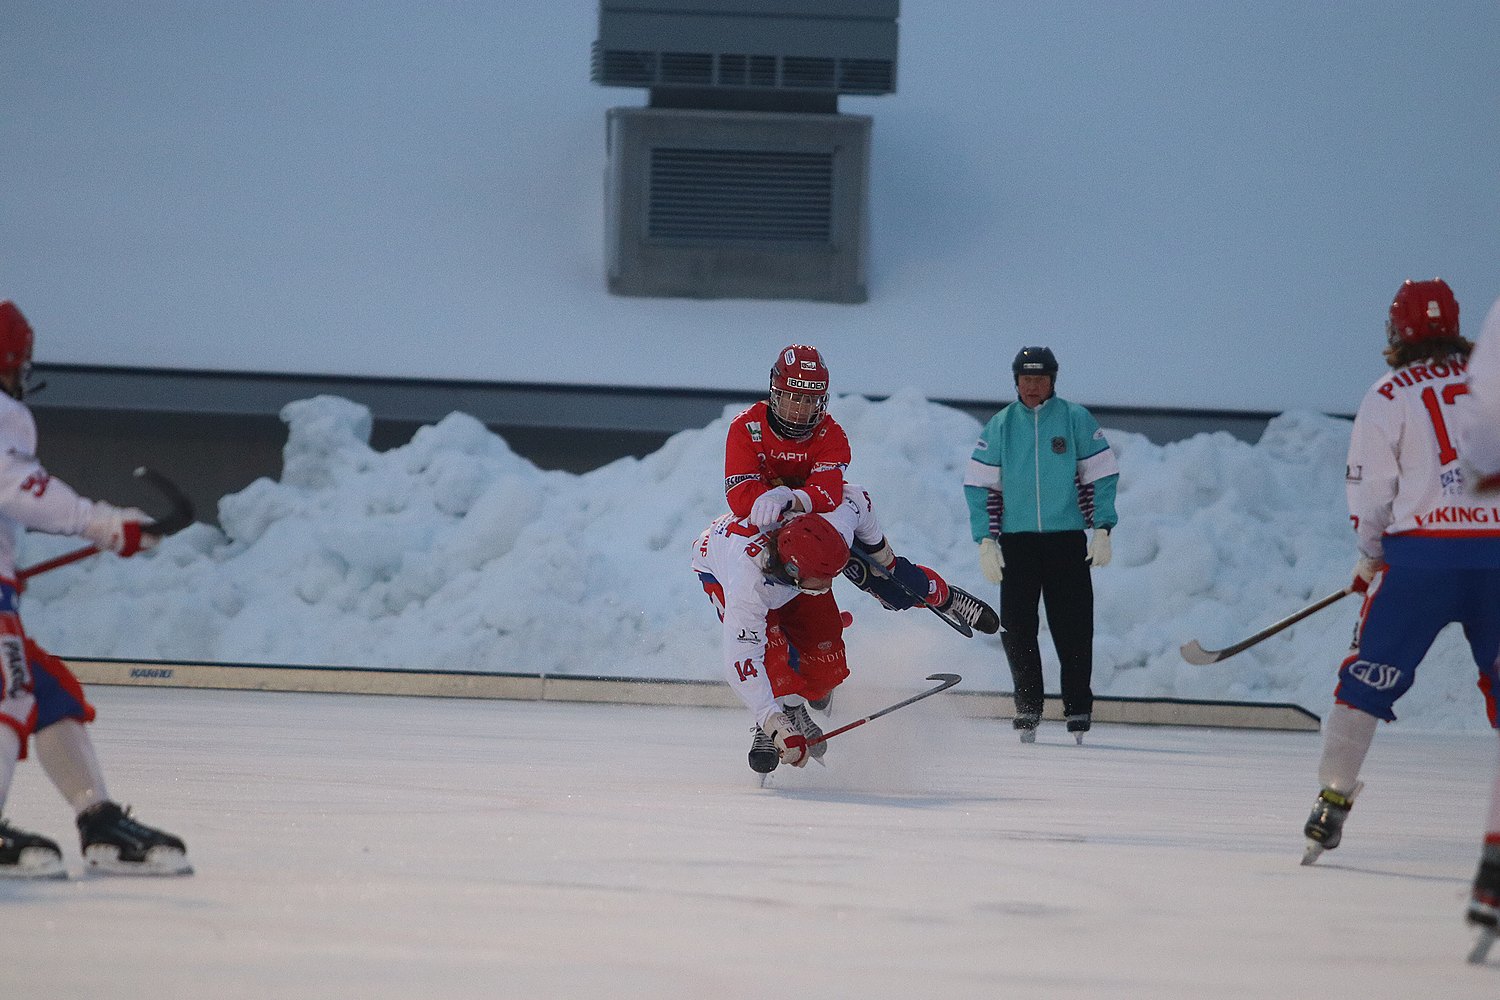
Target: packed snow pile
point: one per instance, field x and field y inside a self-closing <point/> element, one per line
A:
<point x="451" y="552"/>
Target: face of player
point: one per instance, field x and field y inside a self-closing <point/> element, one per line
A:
<point x="797" y="409"/>
<point x="1033" y="390"/>
<point x="815" y="584"/>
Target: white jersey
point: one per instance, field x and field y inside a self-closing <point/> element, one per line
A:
<point x="29" y="497"/>
<point x="734" y="553"/>
<point x="1479" y="415"/>
<point x="1403" y="475"/>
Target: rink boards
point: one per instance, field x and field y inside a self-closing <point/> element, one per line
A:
<point x="634" y="691"/>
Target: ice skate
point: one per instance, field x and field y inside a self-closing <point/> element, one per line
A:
<point x="1025" y="726"/>
<point x="1325" y="825"/>
<point x="1078" y="725"/>
<point x="763" y="755"/>
<point x="28" y="855"/>
<point x="803" y="723"/>
<point x="1484" y="904"/>
<point x="965" y="607"/>
<point x="115" y="844"/>
<point x="823" y="704"/>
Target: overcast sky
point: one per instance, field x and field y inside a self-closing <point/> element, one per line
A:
<point x="1195" y="205"/>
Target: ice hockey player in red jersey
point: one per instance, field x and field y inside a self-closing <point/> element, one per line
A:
<point x="1429" y="545"/>
<point x="41" y="702"/>
<point x="785" y="455"/>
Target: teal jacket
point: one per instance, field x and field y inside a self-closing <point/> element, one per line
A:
<point x="1047" y="469"/>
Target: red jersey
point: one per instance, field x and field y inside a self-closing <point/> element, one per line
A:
<point x="756" y="459"/>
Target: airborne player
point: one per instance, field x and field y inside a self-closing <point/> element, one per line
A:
<point x="785" y="455"/>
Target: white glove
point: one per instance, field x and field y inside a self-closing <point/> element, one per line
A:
<point x="770" y="505"/>
<point x="790" y="744"/>
<point x="1099" y="551"/>
<point x="991" y="560"/>
<point x="1364" y="572"/>
<point x="118" y="529"/>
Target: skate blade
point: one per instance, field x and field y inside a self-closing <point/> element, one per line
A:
<point x="1312" y="852"/>
<point x="1480" y="953"/>
<point x="158" y="861"/>
<point x="35" y="863"/>
<point x="1079" y="738"/>
<point x="1028" y="736"/>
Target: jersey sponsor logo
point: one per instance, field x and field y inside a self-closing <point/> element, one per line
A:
<point x="17" y="678"/>
<point x="790" y="456"/>
<point x="981" y="445"/>
<point x="754" y="428"/>
<point x="829" y="467"/>
<point x="827" y="497"/>
<point x="732" y="481"/>
<point x="1459" y="515"/>
<point x="1059" y="445"/>
<point x="1354" y="473"/>
<point x="1099" y="434"/>
<point x="748" y="635"/>
<point x="1380" y="676"/>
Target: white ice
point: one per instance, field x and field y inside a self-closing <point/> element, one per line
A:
<point x="452" y="552"/>
<point x="390" y="848"/>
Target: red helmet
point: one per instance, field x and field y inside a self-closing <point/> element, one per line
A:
<point x="810" y="546"/>
<point x="15" y="339"/>
<point x="1423" y="310"/>
<point x="799" y="391"/>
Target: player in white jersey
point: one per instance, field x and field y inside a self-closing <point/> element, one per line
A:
<point x="1479" y="444"/>
<point x="782" y="636"/>
<point x="1479" y="419"/>
<point x="41" y="702"/>
<point x="1429" y="545"/>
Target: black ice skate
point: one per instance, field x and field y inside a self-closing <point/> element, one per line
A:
<point x="28" y="855"/>
<point x="763" y="755"/>
<point x="965" y="607"/>
<point x="115" y="844"/>
<point x="1078" y="725"/>
<point x="1025" y="724"/>
<point x="823" y="704"/>
<point x="803" y="723"/>
<point x="1325" y="825"/>
<point x="1484" y="903"/>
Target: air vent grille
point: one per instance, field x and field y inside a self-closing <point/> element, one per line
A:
<point x="740" y="196"/>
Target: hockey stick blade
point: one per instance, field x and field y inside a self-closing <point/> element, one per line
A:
<point x="178" y="516"/>
<point x="885" y="574"/>
<point x="1194" y="653"/>
<point x="947" y="681"/>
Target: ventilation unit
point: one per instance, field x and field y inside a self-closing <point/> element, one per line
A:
<point x="740" y="178"/>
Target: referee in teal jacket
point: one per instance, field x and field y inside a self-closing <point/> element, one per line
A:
<point x="1040" y="476"/>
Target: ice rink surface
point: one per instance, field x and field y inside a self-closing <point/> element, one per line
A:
<point x="371" y="847"/>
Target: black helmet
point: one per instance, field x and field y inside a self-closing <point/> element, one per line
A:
<point x="1035" y="361"/>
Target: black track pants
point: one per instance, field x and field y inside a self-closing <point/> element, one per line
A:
<point x="1051" y="568"/>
